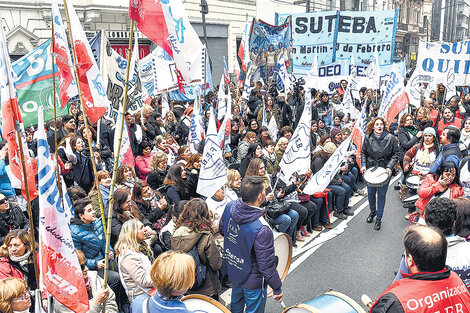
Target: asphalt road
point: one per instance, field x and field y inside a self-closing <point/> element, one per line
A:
<point x="359" y="261"/>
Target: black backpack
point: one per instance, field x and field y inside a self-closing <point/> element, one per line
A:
<point x="200" y="269"/>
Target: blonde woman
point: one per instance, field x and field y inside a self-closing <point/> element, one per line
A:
<point x="281" y="146"/>
<point x="234" y="181"/>
<point x="14" y="295"/>
<point x="159" y="167"/>
<point x="134" y="266"/>
<point x="172" y="275"/>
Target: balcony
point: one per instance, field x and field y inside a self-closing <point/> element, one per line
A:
<point x="402" y="26"/>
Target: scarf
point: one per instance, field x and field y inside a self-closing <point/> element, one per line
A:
<point x="22" y="260"/>
<point x="412" y="129"/>
<point x="130" y="183"/>
<point x="104" y="194"/>
<point x="424" y="159"/>
<point x="145" y="249"/>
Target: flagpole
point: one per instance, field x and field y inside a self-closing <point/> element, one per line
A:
<point x="56" y="154"/>
<point x="116" y="158"/>
<point x="30" y="212"/>
<point x="88" y="133"/>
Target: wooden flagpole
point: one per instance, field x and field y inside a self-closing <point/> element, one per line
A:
<point x="90" y="143"/>
<point x="116" y="157"/>
<point x="56" y="154"/>
<point x="28" y="201"/>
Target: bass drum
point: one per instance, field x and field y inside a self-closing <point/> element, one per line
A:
<point x="329" y="302"/>
<point x="283" y="252"/>
<point x="203" y="304"/>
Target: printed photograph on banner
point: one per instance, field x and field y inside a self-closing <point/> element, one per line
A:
<point x="268" y="43"/>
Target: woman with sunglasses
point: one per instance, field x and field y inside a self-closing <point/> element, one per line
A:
<point x="11" y="217"/>
<point x="14" y="295"/>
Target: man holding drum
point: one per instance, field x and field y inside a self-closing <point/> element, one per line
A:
<point x="249" y="249"/>
<point x="379" y="151"/>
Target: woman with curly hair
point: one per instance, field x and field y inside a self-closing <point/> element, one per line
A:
<point x="380" y="149"/>
<point x="151" y="204"/>
<point x="194" y="229"/>
<point x="159" y="167"/>
<point x="125" y="178"/>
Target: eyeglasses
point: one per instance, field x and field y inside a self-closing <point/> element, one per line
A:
<point x="25" y="295"/>
<point x="3" y="201"/>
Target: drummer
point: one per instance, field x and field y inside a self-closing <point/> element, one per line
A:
<point x="380" y="149"/>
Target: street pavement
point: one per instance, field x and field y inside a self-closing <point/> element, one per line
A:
<point x="359" y="261"/>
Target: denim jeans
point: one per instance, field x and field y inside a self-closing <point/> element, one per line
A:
<point x="320" y="213"/>
<point x="350" y="178"/>
<point x="343" y="193"/>
<point x="376" y="197"/>
<point x="287" y="223"/>
<point x="254" y="299"/>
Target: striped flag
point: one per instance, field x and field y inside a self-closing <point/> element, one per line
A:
<point x="12" y="125"/>
<point x="61" y="53"/>
<point x="358" y="133"/>
<point x="244" y="49"/>
<point x="60" y="271"/>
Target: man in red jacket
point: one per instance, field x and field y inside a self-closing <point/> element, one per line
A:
<point x="431" y="286"/>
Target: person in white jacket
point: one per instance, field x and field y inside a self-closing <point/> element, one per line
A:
<point x="134" y="266"/>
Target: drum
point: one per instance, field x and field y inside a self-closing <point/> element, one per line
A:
<point x="283" y="252"/>
<point x="331" y="301"/>
<point x="376" y="177"/>
<point x="413" y="181"/>
<point x="203" y="304"/>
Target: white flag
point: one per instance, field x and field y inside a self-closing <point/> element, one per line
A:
<point x="372" y="73"/>
<point x="60" y="271"/>
<point x="296" y="158"/>
<point x="185" y="42"/>
<point x="196" y="128"/>
<point x="272" y="128"/>
<point x="126" y="157"/>
<point x="323" y="177"/>
<point x="353" y="86"/>
<point x="213" y="174"/>
<point x="450" y="82"/>
<point x="221" y="99"/>
<point x="393" y="89"/>
<point x="165" y="105"/>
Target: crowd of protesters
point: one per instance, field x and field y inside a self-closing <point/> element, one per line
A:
<point x="157" y="209"/>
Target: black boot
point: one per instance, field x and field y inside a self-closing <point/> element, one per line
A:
<point x="378" y="224"/>
<point x="348" y="212"/>
<point x="340" y="215"/>
<point x="371" y="216"/>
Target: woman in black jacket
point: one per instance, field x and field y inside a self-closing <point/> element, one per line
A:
<point x="380" y="149"/>
<point x="159" y="170"/>
<point x="408" y="136"/>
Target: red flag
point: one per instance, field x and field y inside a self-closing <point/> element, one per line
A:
<point x="148" y="15"/>
<point x="12" y="124"/>
<point x="397" y="106"/>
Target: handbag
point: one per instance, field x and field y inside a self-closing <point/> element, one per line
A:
<point x="277" y="207"/>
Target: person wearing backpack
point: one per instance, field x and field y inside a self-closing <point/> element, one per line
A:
<point x="194" y="235"/>
<point x="249" y="249"/>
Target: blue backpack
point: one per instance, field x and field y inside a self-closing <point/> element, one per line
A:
<point x="200" y="270"/>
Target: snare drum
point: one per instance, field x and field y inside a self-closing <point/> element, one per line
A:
<point x="283" y="252"/>
<point x="331" y="301"/>
<point x="376" y="177"/>
<point x="413" y="181"/>
<point x="203" y="304"/>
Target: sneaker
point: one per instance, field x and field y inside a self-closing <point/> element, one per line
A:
<point x="378" y="224"/>
<point x="348" y="212"/>
<point x="340" y="215"/>
<point x="327" y="225"/>
<point x="371" y="216"/>
<point x="300" y="237"/>
<point x="361" y="192"/>
<point x="304" y="231"/>
<point x="318" y="228"/>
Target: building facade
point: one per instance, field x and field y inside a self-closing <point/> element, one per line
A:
<point x="450" y="20"/>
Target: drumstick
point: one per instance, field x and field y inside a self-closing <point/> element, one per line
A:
<point x="366" y="300"/>
<point x="283" y="305"/>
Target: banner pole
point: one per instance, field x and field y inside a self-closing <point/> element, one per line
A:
<point x="116" y="157"/>
<point x="85" y="119"/>
<point x="30" y="211"/>
<point x="56" y="153"/>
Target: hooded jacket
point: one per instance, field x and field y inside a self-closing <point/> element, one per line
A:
<point x="263" y="259"/>
<point x="90" y="239"/>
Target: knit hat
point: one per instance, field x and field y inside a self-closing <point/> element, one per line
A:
<point x="334" y="131"/>
<point x="429" y="130"/>
<point x="329" y="148"/>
